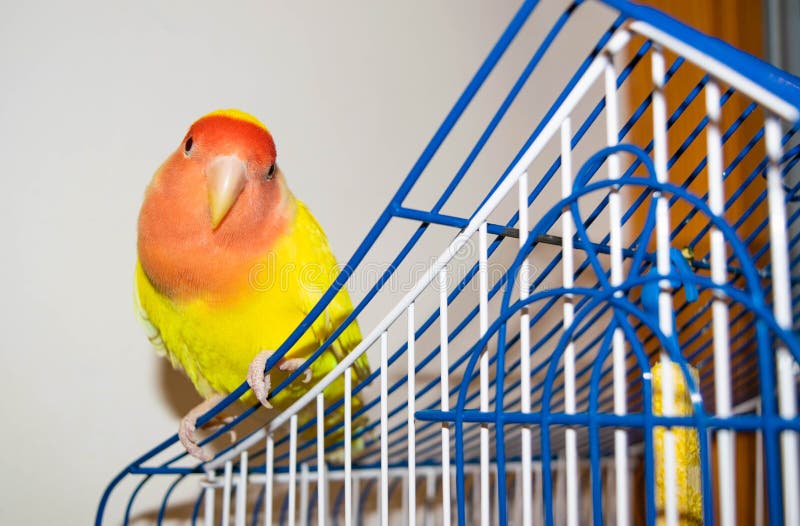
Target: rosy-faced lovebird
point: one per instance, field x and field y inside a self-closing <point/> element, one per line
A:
<point x="229" y="263"/>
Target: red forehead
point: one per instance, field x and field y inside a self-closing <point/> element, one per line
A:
<point x="223" y="134"/>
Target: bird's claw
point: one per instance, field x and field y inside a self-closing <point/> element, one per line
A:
<point x="188" y="426"/>
<point x="293" y="364"/>
<point x="186" y="435"/>
<point x="218" y="422"/>
<point x="260" y="382"/>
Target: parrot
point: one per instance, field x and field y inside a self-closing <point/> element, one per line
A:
<point x="229" y="262"/>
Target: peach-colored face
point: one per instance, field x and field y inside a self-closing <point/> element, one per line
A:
<point x="214" y="207"/>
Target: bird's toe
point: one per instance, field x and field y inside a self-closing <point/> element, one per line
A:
<point x="187" y="437"/>
<point x="257" y="380"/>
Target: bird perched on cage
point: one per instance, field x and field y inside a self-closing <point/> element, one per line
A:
<point x="229" y="263"/>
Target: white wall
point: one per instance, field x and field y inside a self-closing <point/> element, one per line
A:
<point x="93" y="96"/>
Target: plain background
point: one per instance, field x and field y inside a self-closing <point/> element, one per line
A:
<point x="93" y="96"/>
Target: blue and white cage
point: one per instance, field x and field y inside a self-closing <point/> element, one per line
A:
<point x="646" y="261"/>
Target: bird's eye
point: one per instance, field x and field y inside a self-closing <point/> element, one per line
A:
<point x="188" y="147"/>
<point x="271" y="172"/>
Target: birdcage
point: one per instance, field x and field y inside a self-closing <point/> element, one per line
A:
<point x="589" y="322"/>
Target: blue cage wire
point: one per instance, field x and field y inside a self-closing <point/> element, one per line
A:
<point x="589" y="342"/>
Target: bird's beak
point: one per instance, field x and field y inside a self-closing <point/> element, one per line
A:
<point x="226" y="178"/>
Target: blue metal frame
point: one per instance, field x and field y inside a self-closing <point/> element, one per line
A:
<point x="591" y="303"/>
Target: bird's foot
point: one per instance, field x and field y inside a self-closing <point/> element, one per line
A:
<point x="293" y="364"/>
<point x="260" y="382"/>
<point x="188" y="426"/>
<point x="218" y="422"/>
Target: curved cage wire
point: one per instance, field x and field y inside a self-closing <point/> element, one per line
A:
<point x="601" y="327"/>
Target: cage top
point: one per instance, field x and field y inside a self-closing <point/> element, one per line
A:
<point x="776" y="81"/>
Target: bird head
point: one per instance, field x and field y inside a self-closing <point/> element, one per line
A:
<point x="218" y="199"/>
<point x="234" y="155"/>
